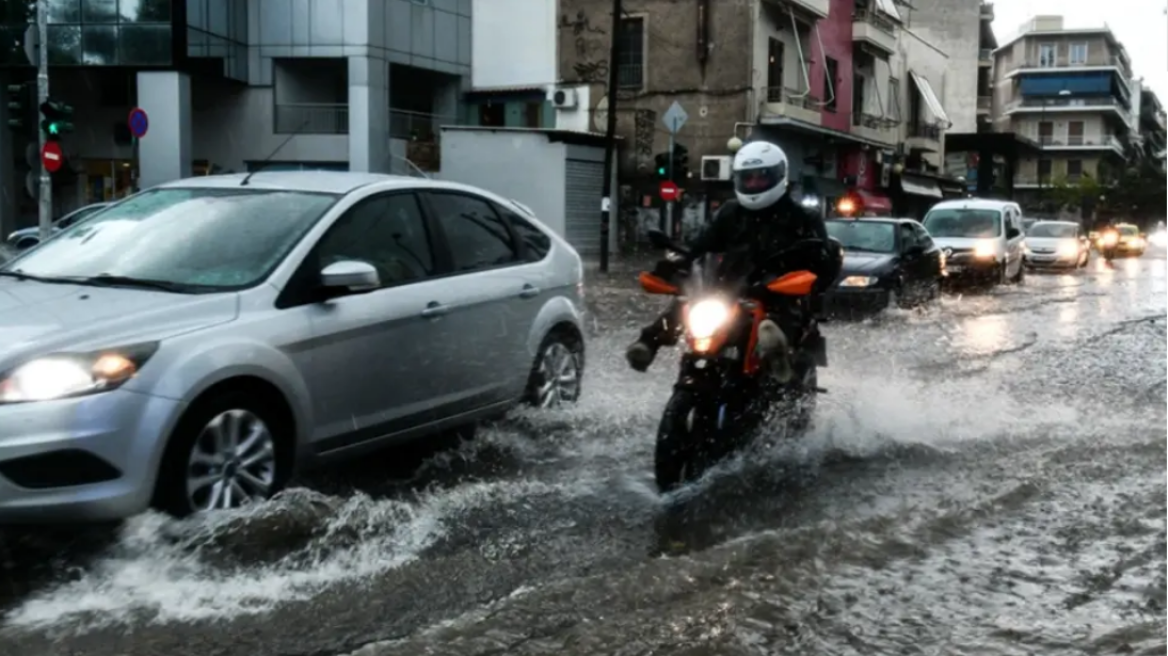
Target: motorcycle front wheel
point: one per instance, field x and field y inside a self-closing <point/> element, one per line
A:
<point x="686" y="439"/>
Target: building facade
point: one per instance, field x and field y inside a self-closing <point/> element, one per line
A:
<point x="230" y="85"/>
<point x="1072" y="92"/>
<point x="851" y="92"/>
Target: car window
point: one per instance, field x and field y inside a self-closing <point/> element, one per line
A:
<point x="387" y="232"/>
<point x="922" y="235"/>
<point x="908" y="240"/>
<point x="478" y="238"/>
<point x="536" y="243"/>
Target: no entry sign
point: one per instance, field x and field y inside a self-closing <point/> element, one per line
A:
<point x="138" y="122"/>
<point x="669" y="191"/>
<point x="51" y="156"/>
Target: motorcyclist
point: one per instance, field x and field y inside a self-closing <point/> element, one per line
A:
<point x="763" y="221"/>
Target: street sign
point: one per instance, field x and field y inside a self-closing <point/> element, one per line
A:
<point x="669" y="191"/>
<point x="674" y="117"/>
<point x="51" y="156"/>
<point x="138" y="122"/>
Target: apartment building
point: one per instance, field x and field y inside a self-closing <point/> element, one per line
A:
<point x="1071" y="91"/>
<point x="230" y="85"/>
<point x="851" y="93"/>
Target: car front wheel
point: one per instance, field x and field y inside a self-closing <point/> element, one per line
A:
<point x="225" y="453"/>
<point x="558" y="370"/>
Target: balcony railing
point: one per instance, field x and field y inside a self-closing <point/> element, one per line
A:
<point x="312" y="118"/>
<point x="864" y="120"/>
<point x="793" y="97"/>
<point x="985" y="55"/>
<point x="417" y="126"/>
<point x="1075" y="102"/>
<point x="987" y="10"/>
<point x="1079" y="141"/>
<point x="1065" y="62"/>
<point x="924" y="131"/>
<point x="874" y="19"/>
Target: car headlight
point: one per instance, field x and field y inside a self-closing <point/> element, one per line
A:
<point x="68" y="374"/>
<point x="858" y="281"/>
<point x="985" y="249"/>
<point x="1068" y="250"/>
<point x="706" y="317"/>
<point x="1110" y="239"/>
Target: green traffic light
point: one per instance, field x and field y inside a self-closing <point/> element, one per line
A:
<point x="661" y="171"/>
<point x="54" y="128"/>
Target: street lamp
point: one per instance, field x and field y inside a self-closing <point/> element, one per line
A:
<point x="1042" y="144"/>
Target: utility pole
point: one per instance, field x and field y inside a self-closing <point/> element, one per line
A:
<point x="609" y="138"/>
<point x="45" y="197"/>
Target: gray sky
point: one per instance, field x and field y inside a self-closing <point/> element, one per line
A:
<point x="1140" y="25"/>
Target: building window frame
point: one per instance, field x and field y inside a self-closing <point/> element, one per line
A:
<point x="893" y="108"/>
<point x="1045" y="60"/>
<point x="1047" y="164"/>
<point x="630" y="66"/>
<point x="1074" y="175"/>
<point x="831" y="84"/>
<point x="1078" y="61"/>
<point x="533" y="113"/>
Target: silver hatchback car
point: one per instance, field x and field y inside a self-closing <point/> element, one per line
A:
<point x="193" y="345"/>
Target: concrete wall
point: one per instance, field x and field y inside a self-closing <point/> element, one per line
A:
<point x="834" y="40"/>
<point x="954" y="26"/>
<point x="925" y="58"/>
<point x="715" y="94"/>
<point x="514" y="44"/>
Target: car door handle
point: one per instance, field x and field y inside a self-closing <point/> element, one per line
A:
<point x="529" y="291"/>
<point x="434" y="309"/>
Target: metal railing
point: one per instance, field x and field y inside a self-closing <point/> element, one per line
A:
<point x="985" y="55"/>
<point x="1065" y="62"/>
<point x="1079" y="140"/>
<point x="865" y="120"/>
<point x="1085" y="102"/>
<point x="417" y="126"/>
<point x="874" y="19"/>
<point x="924" y="131"/>
<point x="792" y="97"/>
<point x="312" y="118"/>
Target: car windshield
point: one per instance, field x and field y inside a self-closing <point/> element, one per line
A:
<point x="1055" y="230"/>
<point x="1129" y="231"/>
<point x="866" y="236"/>
<point x="964" y="223"/>
<point x="208" y="239"/>
<point x="77" y="215"/>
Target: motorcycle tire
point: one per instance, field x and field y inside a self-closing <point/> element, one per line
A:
<point x="685" y="440"/>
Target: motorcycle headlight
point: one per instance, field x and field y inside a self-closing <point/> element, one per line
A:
<point x="1110" y="239"/>
<point x="706" y="317"/>
<point x="984" y="249"/>
<point x="63" y="375"/>
<point x="858" y="281"/>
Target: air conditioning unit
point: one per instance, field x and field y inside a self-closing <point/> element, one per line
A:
<point x="563" y="98"/>
<point x="716" y="167"/>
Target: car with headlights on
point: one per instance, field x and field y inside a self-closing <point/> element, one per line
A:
<point x="26" y="238"/>
<point x="1131" y="242"/>
<point x="982" y="239"/>
<point x="887" y="262"/>
<point x="1052" y="244"/>
<point x="193" y="345"/>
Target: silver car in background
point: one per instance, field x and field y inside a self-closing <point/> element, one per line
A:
<point x="26" y="238"/>
<point x="192" y="346"/>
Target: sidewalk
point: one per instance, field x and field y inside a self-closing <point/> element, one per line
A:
<point x="615" y="300"/>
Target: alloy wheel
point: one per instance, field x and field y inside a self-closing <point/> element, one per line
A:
<point x="232" y="462"/>
<point x="559" y="376"/>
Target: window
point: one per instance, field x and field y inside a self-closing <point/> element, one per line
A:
<point x="630" y="61"/>
<point x="908" y="238"/>
<point x="893" y="109"/>
<point x="1047" y="52"/>
<point x="478" y="238"/>
<point x="774" y="70"/>
<point x="1074" y="168"/>
<point x="536" y="243"/>
<point x="1078" y="54"/>
<point x="492" y="114"/>
<point x="387" y="232"/>
<point x="1075" y="133"/>
<point x="830" y="83"/>
<point x="533" y="114"/>
<point x="108" y="33"/>
<point x="922" y="236"/>
<point x="1045" y="133"/>
<point x="1044" y="168"/>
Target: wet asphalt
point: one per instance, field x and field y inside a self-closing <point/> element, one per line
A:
<point x="984" y="477"/>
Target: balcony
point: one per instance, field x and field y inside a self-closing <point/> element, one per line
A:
<point x="1081" y="142"/>
<point x="985" y="104"/>
<point x="312" y="118"/>
<point x="922" y="136"/>
<point x="1070" y="104"/>
<point x="1094" y="60"/>
<point x="815" y="8"/>
<point x="985" y="57"/>
<point x="779" y="102"/>
<point x="987" y="11"/>
<point x="875" y="128"/>
<point x="874" y="29"/>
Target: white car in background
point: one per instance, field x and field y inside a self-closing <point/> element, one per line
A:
<point x="26" y="238"/>
<point x="981" y="239"/>
<point x="1051" y="244"/>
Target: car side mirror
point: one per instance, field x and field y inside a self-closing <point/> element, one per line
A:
<point x="349" y="276"/>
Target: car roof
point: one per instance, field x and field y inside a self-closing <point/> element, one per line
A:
<point x="973" y="204"/>
<point x="329" y="182"/>
<point x="1070" y="223"/>
<point x="872" y="219"/>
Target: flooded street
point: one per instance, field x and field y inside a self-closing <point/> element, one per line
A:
<point x="986" y="477"/>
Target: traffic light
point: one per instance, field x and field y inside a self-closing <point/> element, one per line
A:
<point x="55" y="119"/>
<point x="17" y="107"/>
<point x="680" y="163"/>
<point x="662" y="165"/>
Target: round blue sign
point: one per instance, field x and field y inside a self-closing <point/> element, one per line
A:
<point x="138" y="122"/>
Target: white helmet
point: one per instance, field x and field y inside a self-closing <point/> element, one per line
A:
<point x="760" y="175"/>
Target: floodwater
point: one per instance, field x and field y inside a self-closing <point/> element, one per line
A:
<point x="986" y="477"/>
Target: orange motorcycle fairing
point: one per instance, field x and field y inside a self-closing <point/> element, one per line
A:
<point x="796" y="283"/>
<point x="655" y="285"/>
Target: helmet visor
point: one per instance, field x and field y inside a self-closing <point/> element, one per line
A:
<point x="759" y="180"/>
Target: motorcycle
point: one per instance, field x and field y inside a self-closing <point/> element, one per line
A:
<point x="1108" y="243"/>
<point x="726" y="387"/>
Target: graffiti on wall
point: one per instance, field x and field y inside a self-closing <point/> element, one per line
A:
<point x="591" y="44"/>
<point x="645" y="131"/>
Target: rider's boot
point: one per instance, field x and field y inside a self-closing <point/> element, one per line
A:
<point x="640" y="355"/>
<point x="773" y="346"/>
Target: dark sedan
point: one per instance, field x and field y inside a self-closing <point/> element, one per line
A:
<point x="887" y="261"/>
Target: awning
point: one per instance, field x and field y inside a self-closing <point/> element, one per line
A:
<point x="920" y="186"/>
<point x="930" y="98"/>
<point x="873" y="202"/>
<point x="888" y="7"/>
